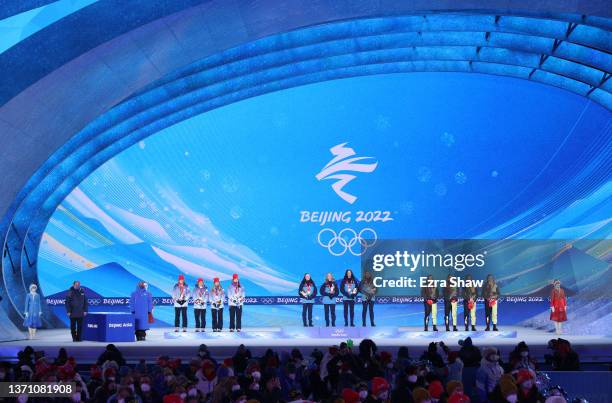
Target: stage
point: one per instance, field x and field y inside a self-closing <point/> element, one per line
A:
<point x="592" y="348"/>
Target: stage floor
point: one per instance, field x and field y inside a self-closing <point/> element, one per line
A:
<point x="595" y="348"/>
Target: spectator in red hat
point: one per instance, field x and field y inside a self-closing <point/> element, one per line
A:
<point x="435" y="390"/>
<point x="528" y="392"/>
<point x="217" y="299"/>
<point x="350" y="396"/>
<point x="459" y="398"/>
<point x="235" y="300"/>
<point x="180" y="296"/>
<point x="380" y="390"/>
<point x="200" y="300"/>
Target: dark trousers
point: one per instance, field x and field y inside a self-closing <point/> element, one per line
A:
<point x="349" y="310"/>
<point x="235" y="317"/>
<point x="367" y="305"/>
<point x="307" y="314"/>
<point x="217" y="319"/>
<point x="448" y="308"/>
<point x="76" y="328"/>
<point x="330" y="309"/>
<point x="141" y="334"/>
<point x="180" y="312"/>
<point x="200" y="318"/>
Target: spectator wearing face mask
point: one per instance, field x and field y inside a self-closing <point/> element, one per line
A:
<point x="405" y="385"/>
<point x="192" y="391"/>
<point x="509" y="392"/>
<point x="124" y="395"/>
<point x="488" y="374"/>
<point x="506" y="390"/>
<point x="520" y="358"/>
<point x="362" y="391"/>
<point x="528" y="392"/>
<point x="146" y="392"/>
<point x="290" y="380"/>
<point x="253" y="387"/>
<point x="204" y="354"/>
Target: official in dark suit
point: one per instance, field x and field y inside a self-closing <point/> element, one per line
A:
<point x="76" y="309"/>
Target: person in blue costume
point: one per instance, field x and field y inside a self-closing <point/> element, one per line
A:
<point x="33" y="311"/>
<point x="141" y="303"/>
<point x="349" y="288"/>
<point x="329" y="292"/>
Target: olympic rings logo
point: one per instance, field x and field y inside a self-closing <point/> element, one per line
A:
<point x="347" y="240"/>
<point x="267" y="301"/>
<point x="95" y="301"/>
<point x="382" y="300"/>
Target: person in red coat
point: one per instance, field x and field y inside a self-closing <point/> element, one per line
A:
<point x="558" y="306"/>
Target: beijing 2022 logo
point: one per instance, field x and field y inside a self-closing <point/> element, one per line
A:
<point x="342" y="169"/>
<point x="355" y="233"/>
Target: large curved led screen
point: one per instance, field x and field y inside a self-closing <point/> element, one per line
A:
<point x="297" y="181"/>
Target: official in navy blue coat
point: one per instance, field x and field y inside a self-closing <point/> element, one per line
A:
<point x="76" y="309"/>
<point x="141" y="303"/>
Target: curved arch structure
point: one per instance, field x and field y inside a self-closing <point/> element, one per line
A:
<point x="568" y="51"/>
